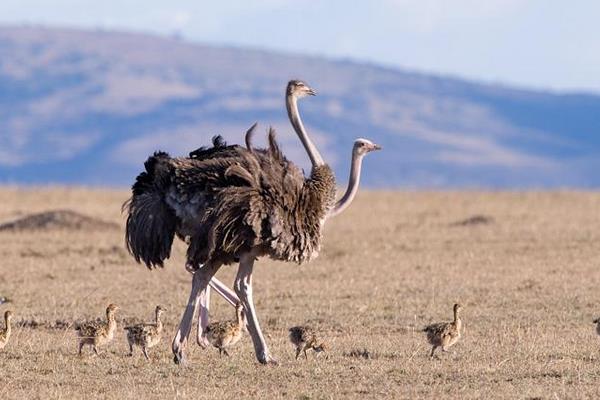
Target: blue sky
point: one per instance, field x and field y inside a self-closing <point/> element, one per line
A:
<point x="532" y="43"/>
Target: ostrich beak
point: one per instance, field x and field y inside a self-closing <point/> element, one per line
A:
<point x="311" y="92"/>
<point x="376" y="147"/>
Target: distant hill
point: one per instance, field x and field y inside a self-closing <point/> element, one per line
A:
<point x="87" y="107"/>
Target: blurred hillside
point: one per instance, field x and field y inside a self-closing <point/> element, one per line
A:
<point x="87" y="107"/>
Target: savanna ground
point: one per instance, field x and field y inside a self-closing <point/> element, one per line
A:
<point x="527" y="271"/>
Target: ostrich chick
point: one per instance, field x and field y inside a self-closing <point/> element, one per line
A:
<point x="305" y="338"/>
<point x="5" y="333"/>
<point x="444" y="334"/>
<point x="98" y="333"/>
<point x="597" y="322"/>
<point x="225" y="334"/>
<point x="145" y="335"/>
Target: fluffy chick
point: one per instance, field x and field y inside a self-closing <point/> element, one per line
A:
<point x="5" y="333"/>
<point x="444" y="334"/>
<point x="224" y="334"/>
<point x="145" y="335"/>
<point x="305" y="338"/>
<point x="97" y="333"/>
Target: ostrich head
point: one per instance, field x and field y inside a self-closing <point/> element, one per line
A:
<point x="457" y="308"/>
<point x="111" y="309"/>
<point x="299" y="89"/>
<point x="159" y="310"/>
<point x="321" y="348"/>
<point x="364" y="146"/>
<point x="8" y="315"/>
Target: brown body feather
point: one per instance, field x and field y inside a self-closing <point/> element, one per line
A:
<point x="227" y="201"/>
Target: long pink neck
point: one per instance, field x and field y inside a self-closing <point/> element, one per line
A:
<point x="291" y="103"/>
<point x="353" y="183"/>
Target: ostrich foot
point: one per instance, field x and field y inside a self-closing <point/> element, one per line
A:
<point x="179" y="358"/>
<point x="267" y="359"/>
<point x="203" y="342"/>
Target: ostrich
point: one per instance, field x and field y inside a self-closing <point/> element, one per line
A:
<point x="305" y="338"/>
<point x="5" y="333"/>
<point x="230" y="204"/>
<point x="225" y="334"/>
<point x="360" y="149"/>
<point x="97" y="333"/>
<point x="145" y="335"/>
<point x="444" y="334"/>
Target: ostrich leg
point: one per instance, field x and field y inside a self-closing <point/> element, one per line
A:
<point x="243" y="287"/>
<point x="204" y="304"/>
<point x="199" y="285"/>
<point x="224" y="291"/>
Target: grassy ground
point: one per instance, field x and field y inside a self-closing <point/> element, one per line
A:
<point x="527" y="274"/>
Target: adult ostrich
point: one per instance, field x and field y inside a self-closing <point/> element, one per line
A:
<point x="230" y="204"/>
<point x="360" y="149"/>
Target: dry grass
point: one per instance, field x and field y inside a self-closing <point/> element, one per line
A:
<point x="527" y="273"/>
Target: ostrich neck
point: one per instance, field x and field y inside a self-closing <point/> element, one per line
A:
<point x="293" y="114"/>
<point x="8" y="327"/>
<point x="159" y="324"/>
<point x="457" y="320"/>
<point x="352" y="189"/>
<point x="112" y="323"/>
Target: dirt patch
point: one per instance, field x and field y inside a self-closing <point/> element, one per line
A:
<point x="360" y="353"/>
<point x="57" y="219"/>
<point x="30" y="323"/>
<point x="474" y="220"/>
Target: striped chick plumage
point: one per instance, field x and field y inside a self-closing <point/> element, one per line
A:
<point x="145" y="335"/>
<point x="225" y="334"/>
<point x="305" y="338"/>
<point x="98" y="333"/>
<point x="444" y="334"/>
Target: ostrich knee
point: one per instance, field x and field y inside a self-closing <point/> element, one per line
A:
<point x="242" y="289"/>
<point x="199" y="283"/>
<point x="244" y="292"/>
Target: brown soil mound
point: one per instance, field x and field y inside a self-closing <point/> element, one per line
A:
<point x="475" y="220"/>
<point x="57" y="219"/>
